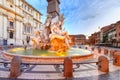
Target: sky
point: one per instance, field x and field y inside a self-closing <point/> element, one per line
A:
<point x="83" y="16"/>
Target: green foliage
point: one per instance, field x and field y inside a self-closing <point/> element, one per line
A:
<point x="105" y="38"/>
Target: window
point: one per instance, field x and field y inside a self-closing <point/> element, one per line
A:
<point x="28" y="29"/>
<point x="28" y="9"/>
<point x="11" y="6"/>
<point x="25" y="7"/>
<point x="22" y="6"/>
<point x="11" y="24"/>
<point x="36" y="24"/>
<point x="31" y="10"/>
<point x="11" y="35"/>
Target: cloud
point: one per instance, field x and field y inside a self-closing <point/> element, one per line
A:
<point x="89" y="15"/>
<point x="84" y="16"/>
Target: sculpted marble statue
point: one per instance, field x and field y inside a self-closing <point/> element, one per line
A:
<point x="59" y="38"/>
<point x="52" y="35"/>
<point x="36" y="40"/>
<point x="47" y="27"/>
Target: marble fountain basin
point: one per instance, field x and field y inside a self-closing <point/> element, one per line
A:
<point x="34" y="55"/>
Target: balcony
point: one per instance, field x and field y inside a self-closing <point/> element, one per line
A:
<point x="10" y="29"/>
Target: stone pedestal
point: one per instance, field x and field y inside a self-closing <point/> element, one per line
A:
<point x="116" y="60"/>
<point x="92" y="48"/>
<point x="103" y="64"/>
<point x="112" y="52"/>
<point x="99" y="50"/>
<point x="104" y="51"/>
<point x="96" y="50"/>
<point x="68" y="68"/>
<point x="1" y="48"/>
<point x="15" y="69"/>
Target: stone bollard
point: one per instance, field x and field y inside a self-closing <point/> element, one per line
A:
<point x="112" y="52"/>
<point x="68" y="67"/>
<point x="99" y="50"/>
<point x="92" y="48"/>
<point x="116" y="60"/>
<point x="103" y="64"/>
<point x="1" y="48"/>
<point x="104" y="51"/>
<point x="15" y="69"/>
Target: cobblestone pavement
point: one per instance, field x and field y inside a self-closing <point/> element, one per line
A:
<point x="50" y="72"/>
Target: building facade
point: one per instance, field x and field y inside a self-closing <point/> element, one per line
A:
<point x="92" y="39"/>
<point x="117" y="35"/>
<point x="108" y="31"/>
<point x="79" y="39"/>
<point x="18" y="21"/>
<point x="109" y="35"/>
<point x="72" y="37"/>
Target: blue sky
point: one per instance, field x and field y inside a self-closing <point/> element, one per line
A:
<point x="83" y="16"/>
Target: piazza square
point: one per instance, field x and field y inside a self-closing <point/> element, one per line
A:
<point x="59" y="40"/>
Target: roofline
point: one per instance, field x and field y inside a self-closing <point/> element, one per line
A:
<point x="32" y="7"/>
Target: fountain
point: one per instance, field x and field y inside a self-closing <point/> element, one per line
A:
<point x="57" y="38"/>
<point x="52" y="44"/>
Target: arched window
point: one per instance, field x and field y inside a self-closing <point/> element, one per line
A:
<point x="27" y="28"/>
